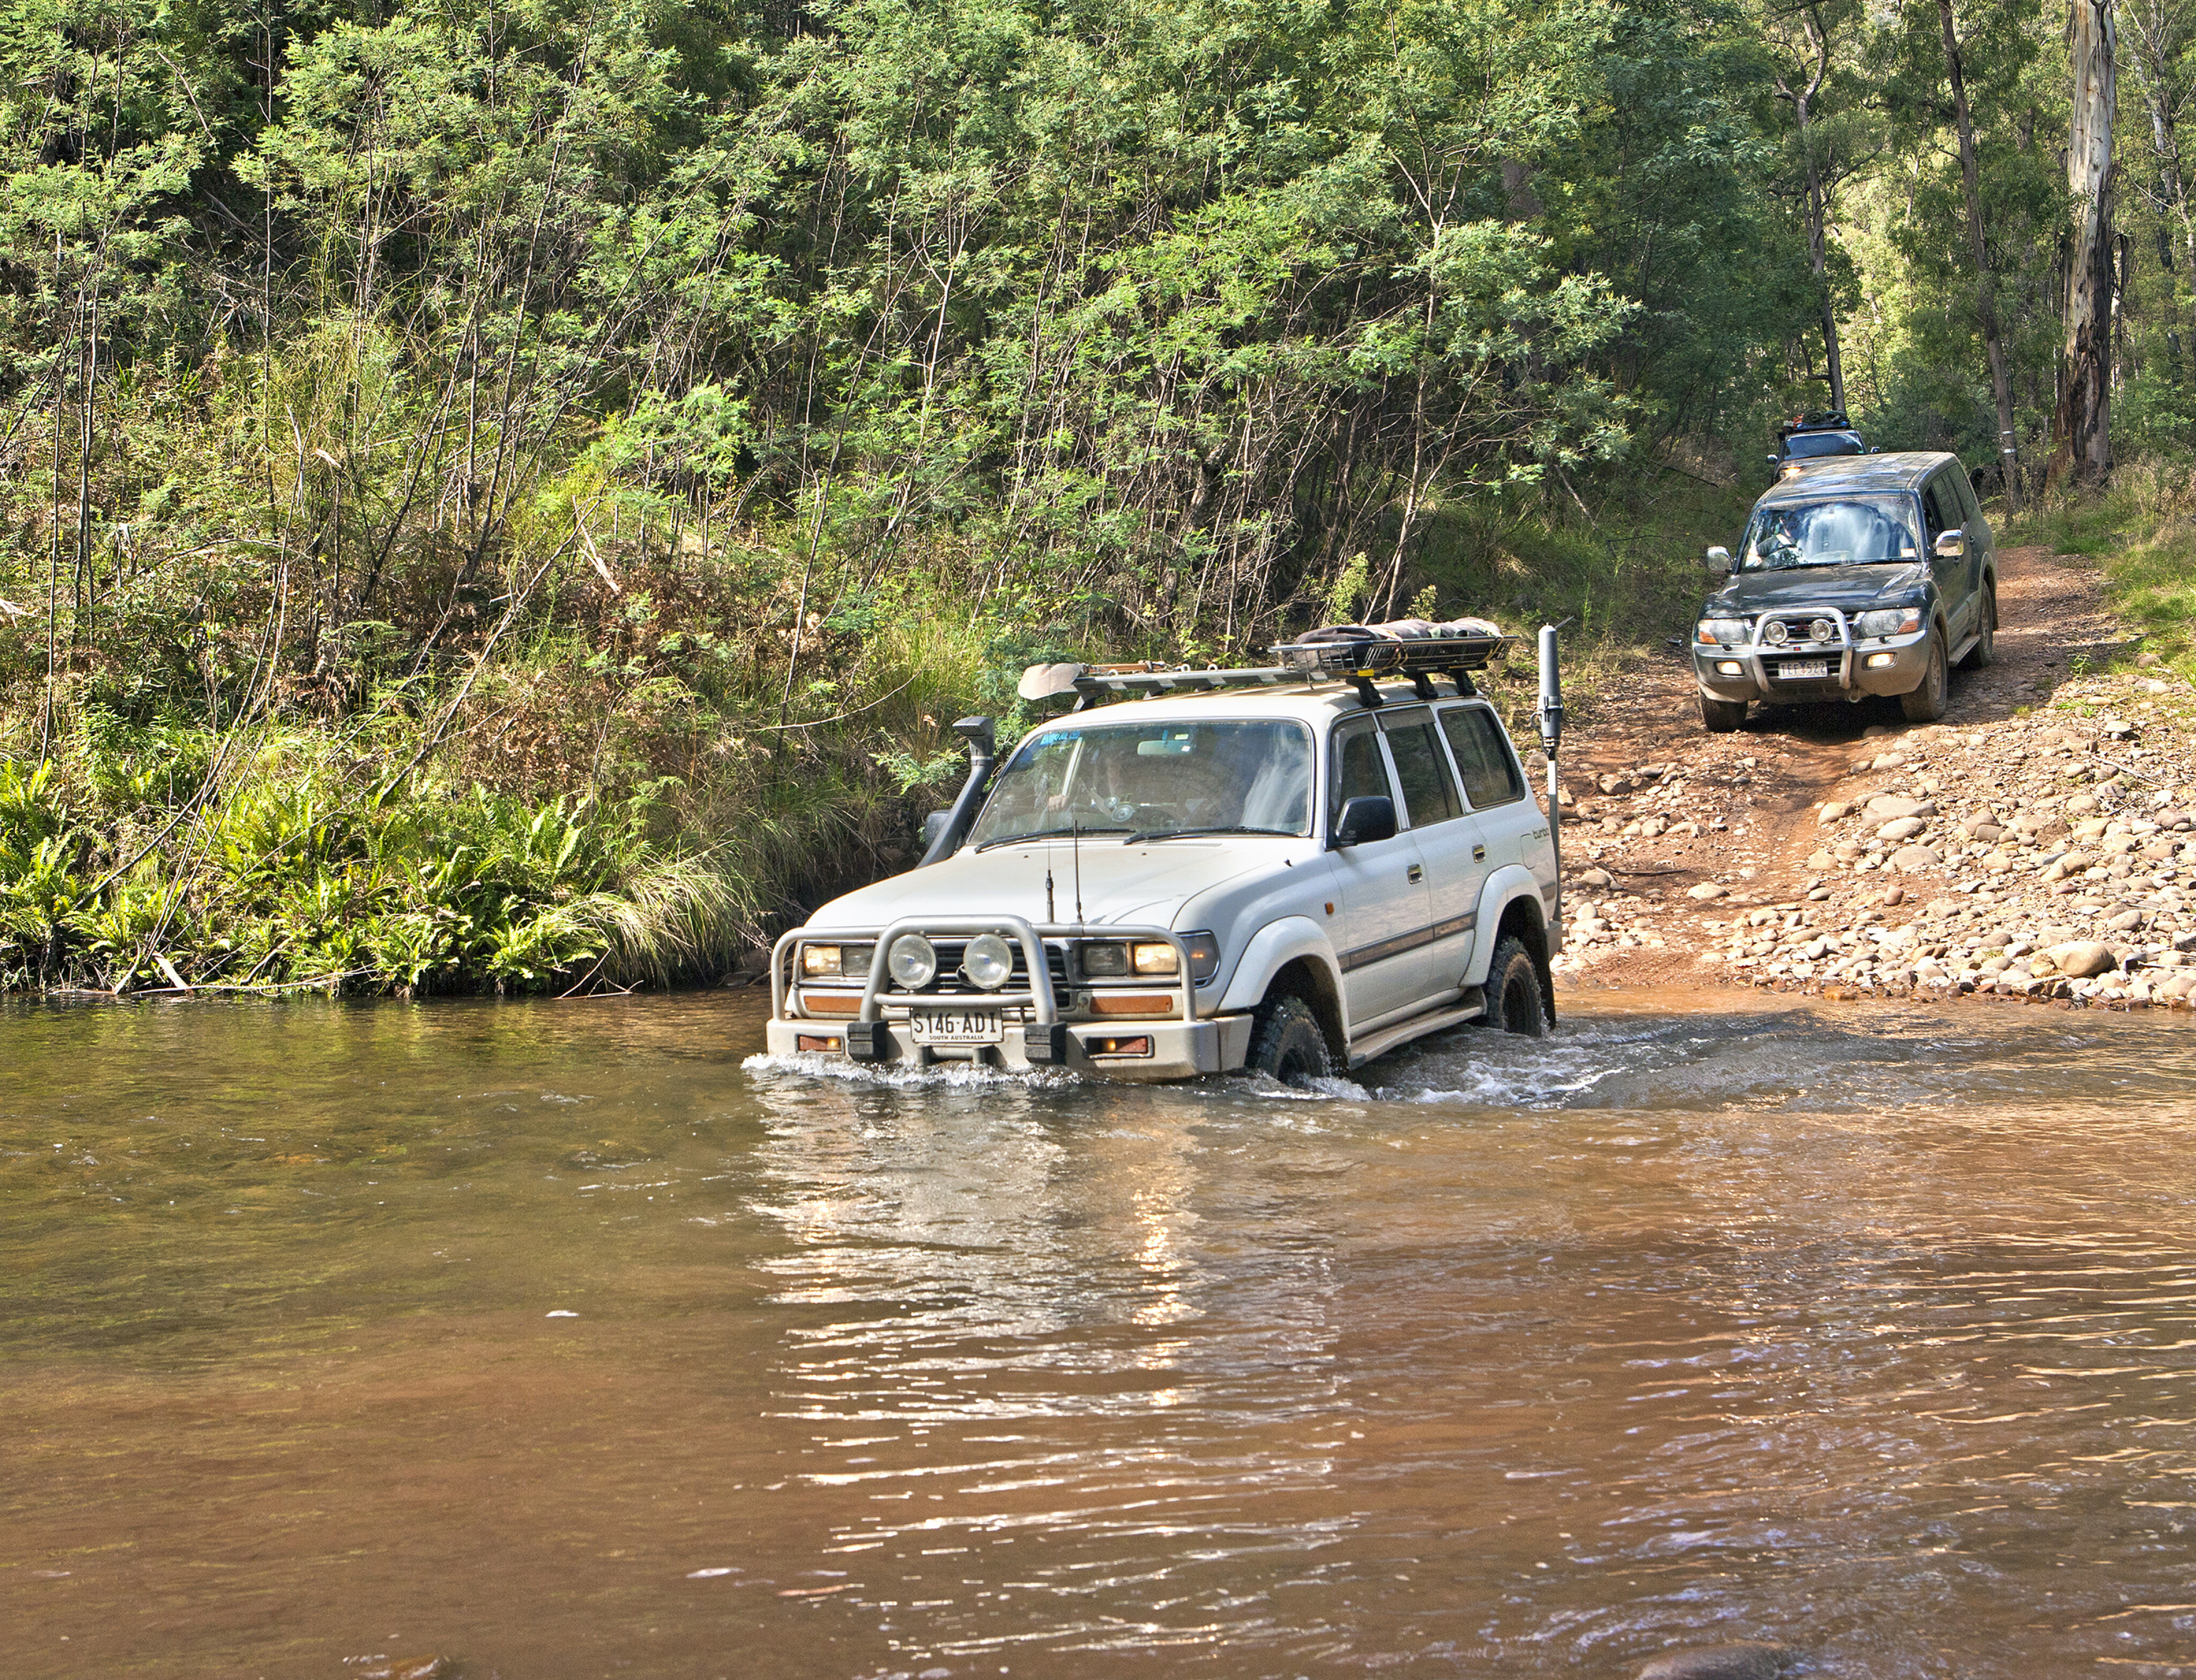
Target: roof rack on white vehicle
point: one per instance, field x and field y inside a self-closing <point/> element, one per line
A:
<point x="1358" y="654"/>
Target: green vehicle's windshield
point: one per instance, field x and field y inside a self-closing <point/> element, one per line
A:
<point x="1151" y="780"/>
<point x="1854" y="532"/>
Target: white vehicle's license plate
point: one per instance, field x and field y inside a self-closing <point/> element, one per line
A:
<point x="1792" y="668"/>
<point x="956" y="1026"/>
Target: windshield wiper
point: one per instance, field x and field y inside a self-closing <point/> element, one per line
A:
<point x="1046" y="835"/>
<point x="1224" y="829"/>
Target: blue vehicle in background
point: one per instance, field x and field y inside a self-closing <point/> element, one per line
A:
<point x="1807" y="439"/>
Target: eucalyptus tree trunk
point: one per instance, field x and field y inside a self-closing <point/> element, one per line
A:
<point x="2081" y="429"/>
<point x="1985" y="277"/>
<point x="1802" y="101"/>
<point x="2160" y="26"/>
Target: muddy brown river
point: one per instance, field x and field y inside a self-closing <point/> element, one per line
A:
<point x="563" y="1339"/>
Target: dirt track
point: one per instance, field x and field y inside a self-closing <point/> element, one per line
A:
<point x="1675" y="830"/>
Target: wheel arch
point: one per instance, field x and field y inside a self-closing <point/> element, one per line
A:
<point x="1293" y="954"/>
<point x="1510" y="903"/>
<point x="1521" y="920"/>
<point x="1312" y="980"/>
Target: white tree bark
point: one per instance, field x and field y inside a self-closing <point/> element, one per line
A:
<point x="2081" y="429"/>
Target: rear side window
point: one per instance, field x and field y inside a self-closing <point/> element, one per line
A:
<point x="1490" y="773"/>
<point x="1360" y="772"/>
<point x="1422" y="768"/>
<point x="1968" y="504"/>
<point x="1941" y="507"/>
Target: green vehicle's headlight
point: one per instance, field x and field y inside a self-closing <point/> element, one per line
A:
<point x="1890" y="622"/>
<point x="1714" y="630"/>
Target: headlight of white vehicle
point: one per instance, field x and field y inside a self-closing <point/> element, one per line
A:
<point x="1152" y="958"/>
<point x="988" y="961"/>
<point x="913" y="962"/>
<point x="1714" y="630"/>
<point x="850" y="963"/>
<point x="1890" y="622"/>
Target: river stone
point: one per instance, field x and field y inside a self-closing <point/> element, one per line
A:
<point x="1707" y="889"/>
<point x="1905" y="827"/>
<point x="1913" y="859"/>
<point x="1740" y="1659"/>
<point x="1835" y="811"/>
<point x="1596" y="878"/>
<point x="2085" y="959"/>
<point x="2124" y="921"/>
<point x="1885" y="806"/>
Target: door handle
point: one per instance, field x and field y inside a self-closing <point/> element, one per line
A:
<point x="1479" y="854"/>
<point x="1418" y="874"/>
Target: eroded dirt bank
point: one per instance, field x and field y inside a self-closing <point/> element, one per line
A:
<point x="2039" y="842"/>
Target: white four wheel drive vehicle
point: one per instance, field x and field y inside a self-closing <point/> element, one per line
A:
<point x="1292" y="869"/>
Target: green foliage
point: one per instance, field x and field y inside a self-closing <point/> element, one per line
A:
<point x="2142" y="536"/>
<point x="519" y="498"/>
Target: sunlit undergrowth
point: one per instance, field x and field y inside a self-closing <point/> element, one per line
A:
<point x="2141" y="532"/>
<point x="294" y="862"/>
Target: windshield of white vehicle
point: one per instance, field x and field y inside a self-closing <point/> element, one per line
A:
<point x="1151" y="780"/>
<point x="1829" y="533"/>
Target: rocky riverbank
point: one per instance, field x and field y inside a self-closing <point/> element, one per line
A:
<point x="2039" y="843"/>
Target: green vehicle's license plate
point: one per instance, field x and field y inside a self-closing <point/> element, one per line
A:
<point x="956" y="1026"/>
<point x="1794" y="668"/>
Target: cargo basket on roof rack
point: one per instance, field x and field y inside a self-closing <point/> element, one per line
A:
<point x="1398" y="649"/>
<point x="1357" y="654"/>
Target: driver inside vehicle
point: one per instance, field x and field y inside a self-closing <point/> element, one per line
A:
<point x="1824" y="534"/>
<point x="1231" y="776"/>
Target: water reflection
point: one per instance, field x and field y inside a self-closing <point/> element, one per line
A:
<point x="1866" y="1329"/>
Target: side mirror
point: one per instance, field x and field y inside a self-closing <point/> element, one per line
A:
<point x="1368" y="817"/>
<point x="933" y="826"/>
<point x="1770" y="459"/>
<point x="1720" y="561"/>
<point x="1951" y="545"/>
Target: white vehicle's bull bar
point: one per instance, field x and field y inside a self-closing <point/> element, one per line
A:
<point x="1039" y="995"/>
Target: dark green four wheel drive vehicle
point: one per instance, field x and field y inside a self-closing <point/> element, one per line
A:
<point x="1872" y="576"/>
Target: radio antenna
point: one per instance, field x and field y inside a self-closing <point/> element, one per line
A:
<point x="1076" y="851"/>
<point x="1050" y="914"/>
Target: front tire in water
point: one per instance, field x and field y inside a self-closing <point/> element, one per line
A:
<point x="1721" y="717"/>
<point x="1926" y="704"/>
<point x="1289" y="1044"/>
<point x="1515" y="1001"/>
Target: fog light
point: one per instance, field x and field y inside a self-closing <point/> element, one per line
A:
<point x="988" y="961"/>
<point x="1730" y="667"/>
<point x="913" y="962"/>
<point x="1877" y="661"/>
<point x="1117" y="1047"/>
<point x="808" y="1040"/>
